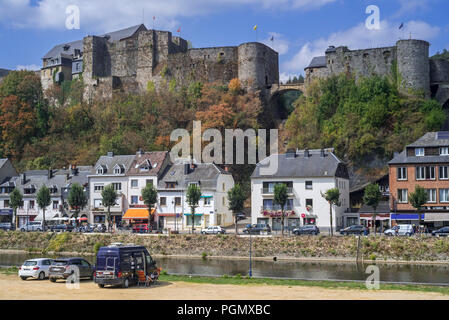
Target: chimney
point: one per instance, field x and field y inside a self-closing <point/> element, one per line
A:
<point x="50" y="173"/>
<point x="110" y="154"/>
<point x="74" y="171"/>
<point x="192" y="166"/>
<point x="23" y="177"/>
<point x="226" y="168"/>
<point x="291" y="153"/>
<point x="306" y="153"/>
<point x="322" y="153"/>
<point x="140" y="153"/>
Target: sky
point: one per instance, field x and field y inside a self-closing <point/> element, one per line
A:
<point x="301" y="29"/>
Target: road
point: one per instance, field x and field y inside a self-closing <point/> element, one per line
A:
<point x="12" y="288"/>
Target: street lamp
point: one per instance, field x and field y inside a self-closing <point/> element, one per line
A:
<point x="250" y="252"/>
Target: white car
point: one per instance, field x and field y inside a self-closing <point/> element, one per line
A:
<point x="403" y="230"/>
<point x="213" y="230"/>
<point x="32" y="226"/>
<point x="35" y="268"/>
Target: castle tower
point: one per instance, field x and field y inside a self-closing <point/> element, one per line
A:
<point x="258" y="66"/>
<point x="413" y="66"/>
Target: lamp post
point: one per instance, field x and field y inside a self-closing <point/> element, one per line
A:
<point x="250" y="252"/>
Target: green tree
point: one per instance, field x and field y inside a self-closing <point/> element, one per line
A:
<point x="15" y="201"/>
<point x="109" y="197"/>
<point x="372" y="198"/>
<point x="332" y="196"/>
<point x="43" y="201"/>
<point x="149" y="196"/>
<point x="193" y="197"/>
<point x="236" y="198"/>
<point x="77" y="199"/>
<point x="417" y="199"/>
<point x="280" y="198"/>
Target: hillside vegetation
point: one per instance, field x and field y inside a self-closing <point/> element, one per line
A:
<point x="360" y="119"/>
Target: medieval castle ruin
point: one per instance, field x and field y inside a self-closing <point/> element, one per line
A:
<point x="408" y="62"/>
<point x="137" y="59"/>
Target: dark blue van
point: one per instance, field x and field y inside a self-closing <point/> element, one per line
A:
<point x="120" y="264"/>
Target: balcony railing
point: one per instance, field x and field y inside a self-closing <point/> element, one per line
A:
<point x="271" y="190"/>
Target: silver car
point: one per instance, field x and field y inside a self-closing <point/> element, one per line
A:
<point x="35" y="268"/>
<point x="32" y="226"/>
<point x="213" y="230"/>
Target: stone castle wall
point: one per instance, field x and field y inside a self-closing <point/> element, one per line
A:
<point x="154" y="58"/>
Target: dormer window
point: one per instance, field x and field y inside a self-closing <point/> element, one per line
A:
<point x="419" y="152"/>
<point x="102" y="169"/>
<point x="444" y="151"/>
<point x="119" y="169"/>
<point x="145" y="166"/>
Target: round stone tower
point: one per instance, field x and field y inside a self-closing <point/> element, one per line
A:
<point x="413" y="66"/>
<point x="258" y="66"/>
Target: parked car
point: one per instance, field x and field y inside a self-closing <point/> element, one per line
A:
<point x="213" y="230"/>
<point x="355" y="229"/>
<point x="99" y="227"/>
<point x="240" y="216"/>
<point x="442" y="232"/>
<point x="257" y="228"/>
<point x="63" y="268"/>
<point x="141" y="228"/>
<point x="35" y="268"/>
<point x="309" y="229"/>
<point x="62" y="228"/>
<point x="400" y="230"/>
<point x="121" y="264"/>
<point x="6" y="226"/>
<point x="32" y="226"/>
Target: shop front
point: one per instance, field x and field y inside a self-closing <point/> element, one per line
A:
<point x="406" y="218"/>
<point x="135" y="216"/>
<point x="6" y="215"/>
<point x="436" y="220"/>
<point x="382" y="221"/>
<point x="198" y="220"/>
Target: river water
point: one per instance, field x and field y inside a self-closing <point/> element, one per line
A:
<point x="401" y="273"/>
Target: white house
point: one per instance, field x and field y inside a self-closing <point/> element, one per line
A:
<point x="307" y="174"/>
<point x="173" y="210"/>
<point x="109" y="169"/>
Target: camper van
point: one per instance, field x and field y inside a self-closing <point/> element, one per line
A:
<point x="125" y="265"/>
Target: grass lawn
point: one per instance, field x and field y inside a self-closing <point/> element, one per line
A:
<point x="238" y="280"/>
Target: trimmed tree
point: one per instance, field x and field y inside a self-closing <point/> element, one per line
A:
<point x="280" y="198"/>
<point x="372" y="198"/>
<point x="43" y="201"/>
<point x="193" y="197"/>
<point x="109" y="198"/>
<point x="77" y="199"/>
<point x="236" y="199"/>
<point x="149" y="196"/>
<point x="332" y="196"/>
<point x="418" y="198"/>
<point x="15" y="201"/>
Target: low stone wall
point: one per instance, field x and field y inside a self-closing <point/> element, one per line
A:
<point x="372" y="248"/>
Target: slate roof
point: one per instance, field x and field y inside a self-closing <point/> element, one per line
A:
<point x="317" y="62"/>
<point x="113" y="37"/>
<point x="204" y="173"/>
<point x="383" y="207"/>
<point x="301" y="166"/>
<point x="155" y="158"/>
<point x="2" y="162"/>
<point x="111" y="162"/>
<point x="37" y="178"/>
<point x="430" y="139"/>
<point x="56" y="51"/>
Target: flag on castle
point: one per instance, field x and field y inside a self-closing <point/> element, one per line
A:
<point x="179" y="30"/>
<point x="272" y="38"/>
<point x="401" y="26"/>
<point x="255" y="27"/>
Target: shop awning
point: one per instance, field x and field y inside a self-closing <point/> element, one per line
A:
<point x="207" y="196"/>
<point x="406" y="216"/>
<point x="379" y="217"/>
<point x="437" y="216"/>
<point x="137" y="213"/>
<point x="48" y="216"/>
<point x="189" y="214"/>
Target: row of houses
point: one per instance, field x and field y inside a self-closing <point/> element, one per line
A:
<point x="128" y="174"/>
<point x="307" y="173"/>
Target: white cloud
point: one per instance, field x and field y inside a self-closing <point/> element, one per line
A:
<point x="411" y="6"/>
<point x="279" y="43"/>
<point x="107" y="15"/>
<point x="31" y="67"/>
<point x="359" y="37"/>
